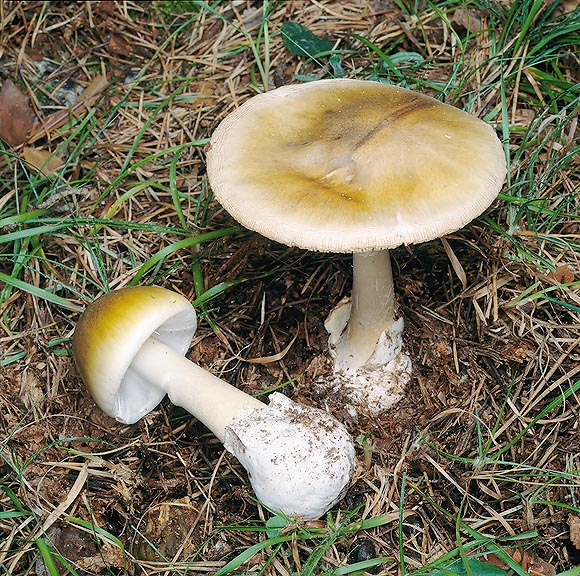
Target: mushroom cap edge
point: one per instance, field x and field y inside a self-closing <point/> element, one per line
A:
<point x="109" y="334"/>
<point x="248" y="169"/>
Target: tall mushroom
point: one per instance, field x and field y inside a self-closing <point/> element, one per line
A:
<point x="362" y="167"/>
<point x="129" y="347"/>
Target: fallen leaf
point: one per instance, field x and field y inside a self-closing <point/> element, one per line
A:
<point x="98" y="84"/>
<point x="467" y="19"/>
<point x="574" y="523"/>
<point x="205" y="92"/>
<point x="568" y="6"/>
<point x="118" y="45"/>
<point x="83" y="549"/>
<point x="470" y="566"/>
<point x="529" y="562"/>
<point x="563" y="275"/>
<point x="31" y="392"/>
<point x="16" y="115"/>
<point x="43" y="160"/>
<point x="106" y="7"/>
<point x="300" y="41"/>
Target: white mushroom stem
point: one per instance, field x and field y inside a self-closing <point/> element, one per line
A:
<point x="299" y="459"/>
<point x="371" y="312"/>
<point x="212" y="401"/>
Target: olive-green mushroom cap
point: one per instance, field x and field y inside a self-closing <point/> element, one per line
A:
<point x="110" y="333"/>
<point x="353" y="166"/>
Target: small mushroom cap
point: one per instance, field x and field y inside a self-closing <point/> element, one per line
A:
<point x="299" y="459"/>
<point x="353" y="166"/>
<point x="112" y="330"/>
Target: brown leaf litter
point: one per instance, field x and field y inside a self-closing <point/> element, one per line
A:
<point x="574" y="523"/>
<point x="529" y="562"/>
<point x="16" y="114"/>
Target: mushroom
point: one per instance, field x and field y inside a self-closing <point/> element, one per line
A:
<point x="129" y="347"/>
<point x="360" y="167"/>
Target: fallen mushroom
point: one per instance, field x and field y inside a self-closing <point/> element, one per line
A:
<point x="129" y="347"/>
<point x="356" y="166"/>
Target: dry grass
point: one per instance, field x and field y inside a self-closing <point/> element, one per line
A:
<point x="484" y="454"/>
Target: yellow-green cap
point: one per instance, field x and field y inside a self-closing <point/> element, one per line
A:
<point x="353" y="166"/>
<point x="112" y="330"/>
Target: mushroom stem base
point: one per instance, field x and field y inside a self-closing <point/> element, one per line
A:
<point x="299" y="459"/>
<point x="381" y="381"/>
<point x="366" y="342"/>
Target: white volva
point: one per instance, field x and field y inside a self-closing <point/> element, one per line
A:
<point x="298" y="458"/>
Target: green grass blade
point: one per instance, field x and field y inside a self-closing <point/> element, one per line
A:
<point x="39" y="292"/>
<point x="47" y="556"/>
<point x="180" y="245"/>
